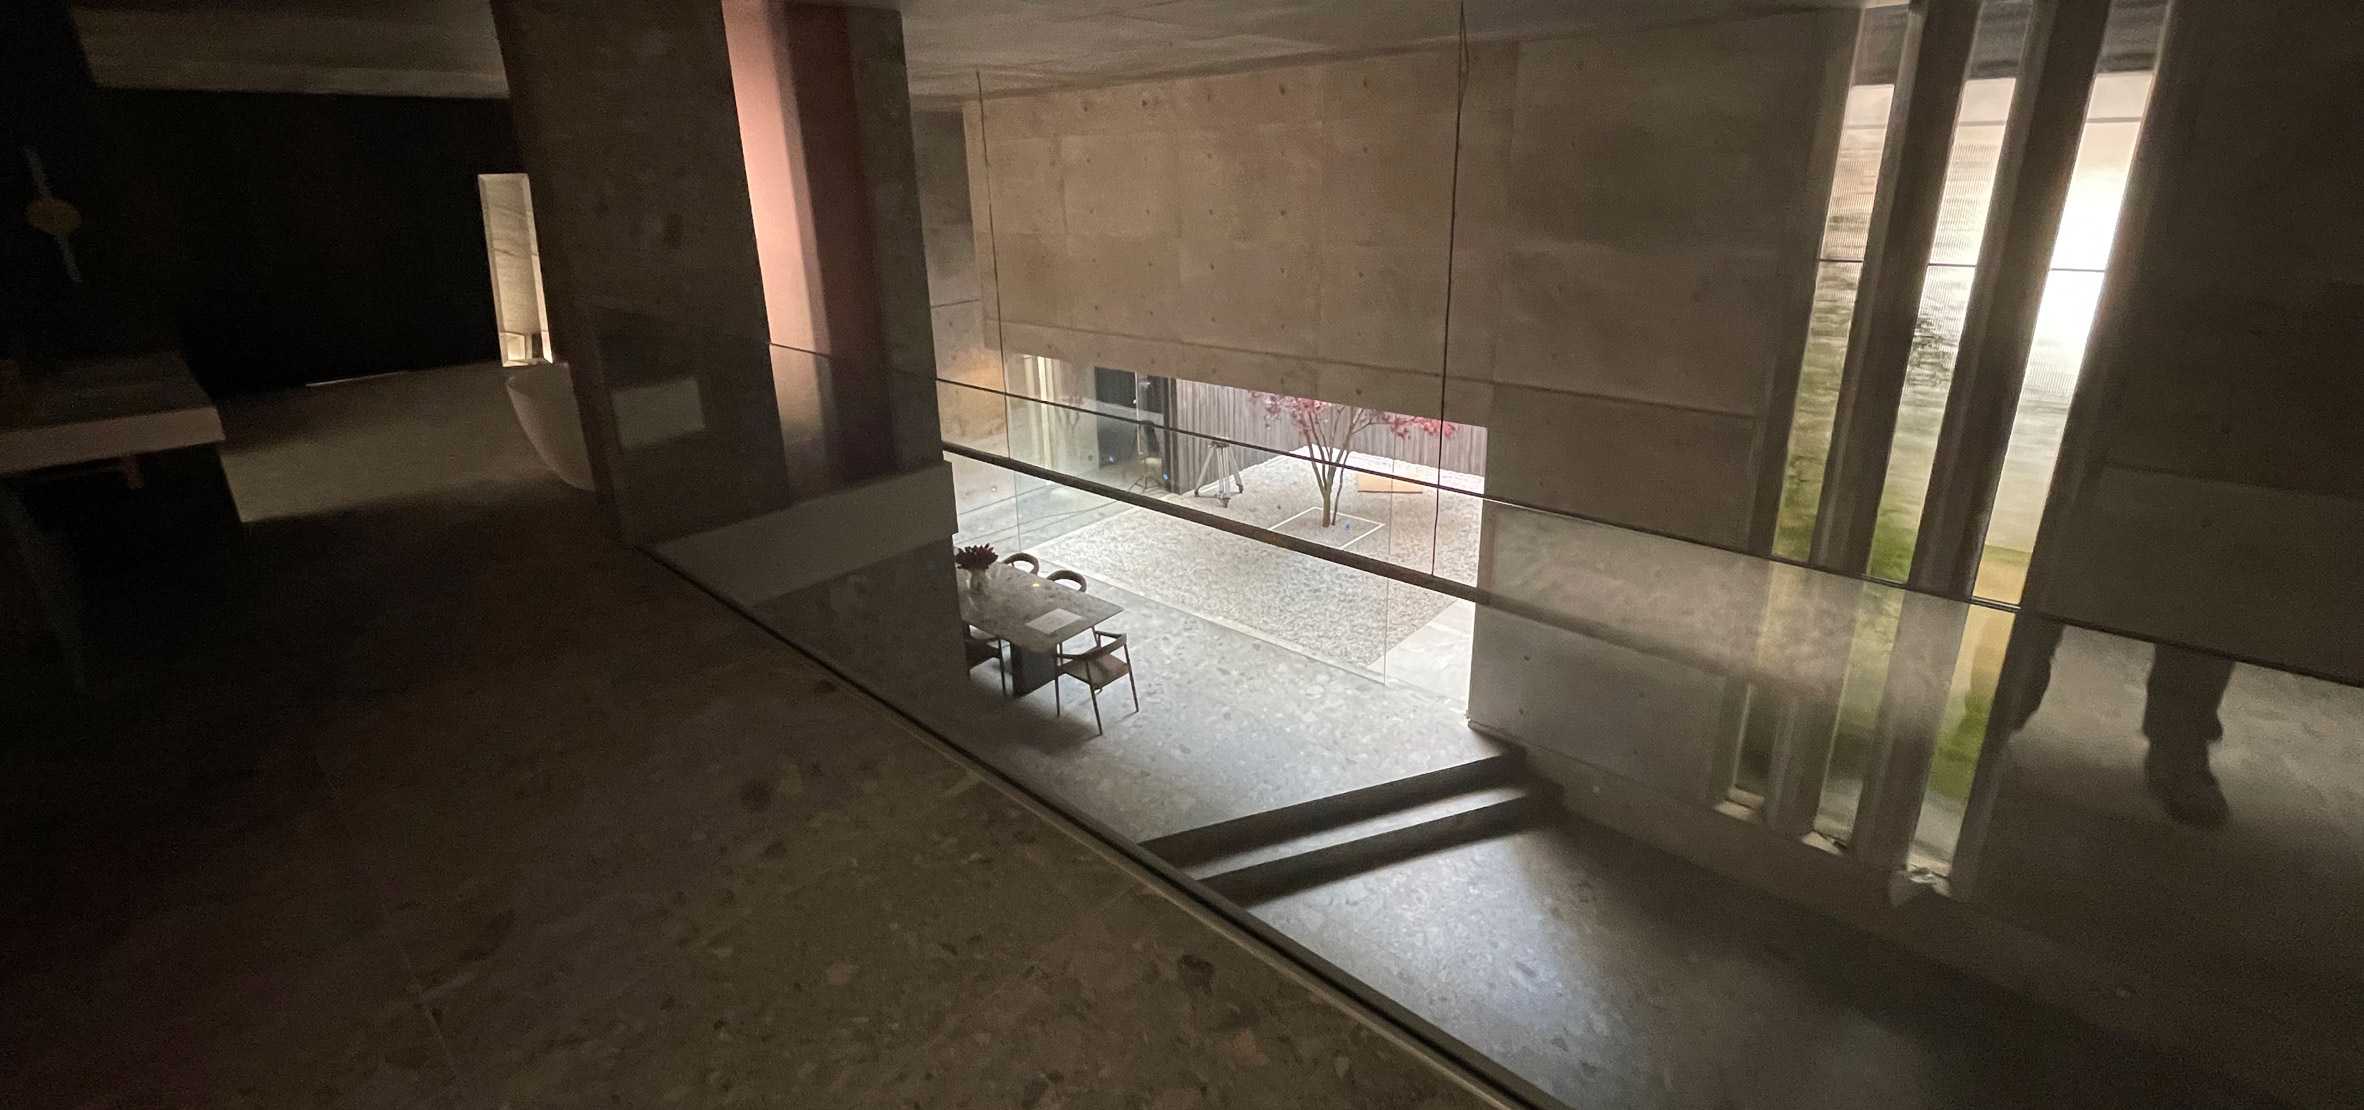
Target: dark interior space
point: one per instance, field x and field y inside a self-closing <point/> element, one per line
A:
<point x="279" y="239"/>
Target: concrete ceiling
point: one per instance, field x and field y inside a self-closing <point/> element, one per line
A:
<point x="955" y="47"/>
<point x="958" y="46"/>
<point x="447" y="47"/>
<point x="371" y="47"/>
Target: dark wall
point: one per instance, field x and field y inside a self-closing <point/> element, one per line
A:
<point x="279" y="238"/>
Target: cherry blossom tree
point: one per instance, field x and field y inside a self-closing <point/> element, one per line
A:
<point x="1329" y="431"/>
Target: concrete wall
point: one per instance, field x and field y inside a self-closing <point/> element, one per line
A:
<point x="1624" y="262"/>
<point x="2211" y="487"/>
<point x="1651" y="277"/>
<point x="731" y="240"/>
<point x="630" y="132"/>
<point x="1280" y="229"/>
<point x="940" y="150"/>
<point x="1627" y="247"/>
<point x="1663" y="210"/>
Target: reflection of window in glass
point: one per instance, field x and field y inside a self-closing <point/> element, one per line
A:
<point x="1928" y="377"/>
<point x="1818" y="403"/>
<point x="1856" y="179"/>
<point x="519" y="311"/>
<point x="1406" y="490"/>
<point x="1937" y="334"/>
<point x="1055" y="435"/>
<point x="2088" y="223"/>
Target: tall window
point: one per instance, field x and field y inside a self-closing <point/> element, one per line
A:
<point x="2070" y="293"/>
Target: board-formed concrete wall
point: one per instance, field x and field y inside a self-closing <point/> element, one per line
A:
<point x="732" y="245"/>
<point x="2211" y="486"/>
<point x="1616" y="283"/>
<point x="1624" y="262"/>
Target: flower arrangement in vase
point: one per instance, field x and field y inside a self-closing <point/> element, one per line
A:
<point x="973" y="561"/>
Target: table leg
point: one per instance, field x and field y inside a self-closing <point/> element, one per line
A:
<point x="1031" y="670"/>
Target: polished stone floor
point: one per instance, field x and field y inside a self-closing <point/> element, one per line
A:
<point x="429" y="796"/>
<point x="1237" y="716"/>
<point x="2267" y="911"/>
<point x="1230" y="724"/>
<point x="1608" y="974"/>
<point x="1318" y="608"/>
<point x="1602" y="971"/>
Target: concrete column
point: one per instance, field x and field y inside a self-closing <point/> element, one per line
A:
<point x="2208" y="489"/>
<point x="731" y="246"/>
<point x="1657" y="208"/>
<point x="825" y="120"/>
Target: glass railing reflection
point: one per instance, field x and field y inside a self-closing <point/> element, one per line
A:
<point x="1842" y="709"/>
<point x="2086" y="786"/>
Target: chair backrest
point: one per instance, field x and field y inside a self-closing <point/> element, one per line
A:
<point x="1022" y="559"/>
<point x="1071" y="578"/>
<point x="1110" y="643"/>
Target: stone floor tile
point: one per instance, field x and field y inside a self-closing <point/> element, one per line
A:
<point x="266" y="977"/>
<point x="1144" y="1005"/>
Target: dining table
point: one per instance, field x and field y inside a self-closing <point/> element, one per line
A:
<point x="1034" y="616"/>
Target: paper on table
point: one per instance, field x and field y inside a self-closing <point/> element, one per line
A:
<point x="1053" y="621"/>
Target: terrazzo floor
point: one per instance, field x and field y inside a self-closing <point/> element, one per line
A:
<point x="434" y="798"/>
<point x="431" y="796"/>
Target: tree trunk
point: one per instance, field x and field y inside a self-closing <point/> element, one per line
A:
<point x="1325" y="481"/>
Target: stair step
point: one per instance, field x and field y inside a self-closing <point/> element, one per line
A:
<point x="1208" y="843"/>
<point x="1315" y="840"/>
<point x="1368" y="845"/>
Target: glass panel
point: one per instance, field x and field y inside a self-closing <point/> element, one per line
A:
<point x="1818" y="402"/>
<point x="1365" y="542"/>
<point x="1970" y="172"/>
<point x="2119" y="96"/>
<point x="1969" y="187"/>
<point x="519" y="313"/>
<point x="1342" y="477"/>
<point x="2089" y="222"/>
<point x="2062" y="324"/>
<point x="1855" y="180"/>
<point x="1854" y="188"/>
<point x="1962" y="734"/>
<point x="1937" y="338"/>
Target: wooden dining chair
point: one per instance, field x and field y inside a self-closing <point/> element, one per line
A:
<point x="1072" y="580"/>
<point x="982" y="649"/>
<point x="1027" y="562"/>
<point x="1107" y="660"/>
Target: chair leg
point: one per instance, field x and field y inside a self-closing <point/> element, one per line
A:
<point x="1097" y="728"/>
<point x="1131" y="681"/>
<point x="1058" y="704"/>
